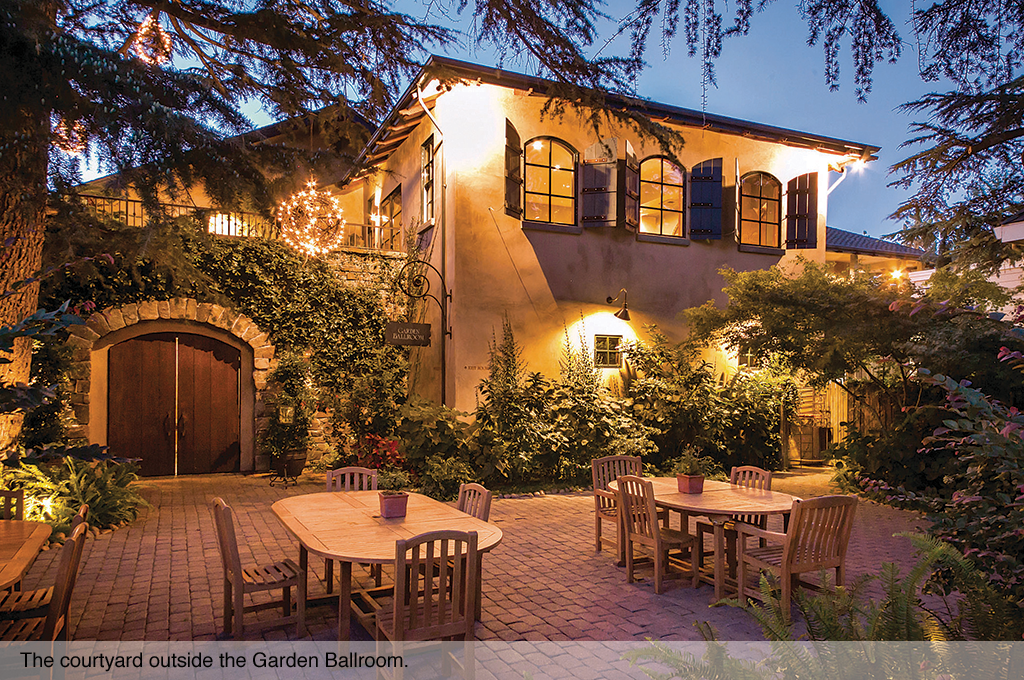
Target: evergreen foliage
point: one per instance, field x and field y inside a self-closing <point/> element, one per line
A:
<point x="737" y="422"/>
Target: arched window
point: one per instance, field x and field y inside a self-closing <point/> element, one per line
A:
<point x="662" y="197"/>
<point x="760" y="210"/>
<point x="550" y="188"/>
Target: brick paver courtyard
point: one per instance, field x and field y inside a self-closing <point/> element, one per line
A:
<point x="160" y="578"/>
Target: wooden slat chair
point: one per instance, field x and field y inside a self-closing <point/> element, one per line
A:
<point x="53" y="625"/>
<point x="350" y="478"/>
<point x="34" y="603"/>
<point x="636" y="496"/>
<point x="12" y="504"/>
<point x="604" y="471"/>
<point x="475" y="499"/>
<point x="424" y="607"/>
<point x="81" y="517"/>
<point x="749" y="476"/>
<point x="238" y="581"/>
<point x="818" y="535"/>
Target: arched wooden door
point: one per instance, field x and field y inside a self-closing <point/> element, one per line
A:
<point x="173" y="402"/>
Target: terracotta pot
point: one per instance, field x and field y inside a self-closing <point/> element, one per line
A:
<point x="690" y="483"/>
<point x="393" y="505"/>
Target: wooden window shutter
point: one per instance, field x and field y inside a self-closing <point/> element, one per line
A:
<point x="631" y="189"/>
<point x="706" y="200"/>
<point x="802" y="211"/>
<point x="513" y="172"/>
<point x="598" y="193"/>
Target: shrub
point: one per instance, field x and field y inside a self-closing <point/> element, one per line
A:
<point x="511" y="428"/>
<point x="737" y="423"/>
<point x="60" y="489"/>
<point x="425" y="428"/>
<point x="442" y="477"/>
<point x="891" y="466"/>
<point x="982" y="518"/>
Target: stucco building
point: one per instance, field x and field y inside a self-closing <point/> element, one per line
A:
<point x="542" y="218"/>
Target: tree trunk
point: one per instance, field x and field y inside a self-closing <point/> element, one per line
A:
<point x="23" y="165"/>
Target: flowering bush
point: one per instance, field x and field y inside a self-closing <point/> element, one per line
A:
<point x="984" y="517"/>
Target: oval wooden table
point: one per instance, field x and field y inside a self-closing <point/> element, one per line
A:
<point x="346" y="526"/>
<point x="718" y="502"/>
<point x="20" y="542"/>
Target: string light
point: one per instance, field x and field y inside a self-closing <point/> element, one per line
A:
<point x="69" y="137"/>
<point x="152" y="44"/>
<point x="312" y="221"/>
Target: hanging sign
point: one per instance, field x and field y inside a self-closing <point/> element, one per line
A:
<point x="409" y="334"/>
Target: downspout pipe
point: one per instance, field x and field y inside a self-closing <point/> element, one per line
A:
<point x="446" y="332"/>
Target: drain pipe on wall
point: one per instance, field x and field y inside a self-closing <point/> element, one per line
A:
<point x="445" y="321"/>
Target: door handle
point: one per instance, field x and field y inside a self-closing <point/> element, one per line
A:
<point x="168" y="430"/>
<point x="181" y="425"/>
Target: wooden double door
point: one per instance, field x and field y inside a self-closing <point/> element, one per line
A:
<point x="173" y="402"/>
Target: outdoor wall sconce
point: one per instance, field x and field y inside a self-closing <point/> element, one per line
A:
<point x="624" y="312"/>
<point x="286" y="415"/>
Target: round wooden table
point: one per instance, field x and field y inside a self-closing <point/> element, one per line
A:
<point x="20" y="542"/>
<point x="718" y="502"/>
<point x="346" y="526"/>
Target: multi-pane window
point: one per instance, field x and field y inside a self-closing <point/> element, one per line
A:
<point x="385" y="230"/>
<point x="427" y="178"/>
<point x="662" y="198"/>
<point x="607" y="351"/>
<point x="550" y="188"/>
<point x="760" y="210"/>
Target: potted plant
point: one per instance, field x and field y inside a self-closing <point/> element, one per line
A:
<point x="394" y="500"/>
<point x="689" y="473"/>
<point x="285" y="439"/>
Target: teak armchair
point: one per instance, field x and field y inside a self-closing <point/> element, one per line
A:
<point x="748" y="476"/>
<point x="350" y="478"/>
<point x="604" y="471"/>
<point x="51" y="622"/>
<point x="238" y="581"/>
<point x="17" y="604"/>
<point x="12" y="504"/>
<point x="475" y="499"/>
<point x="818" y="535"/>
<point x="435" y="593"/>
<point x="640" y="516"/>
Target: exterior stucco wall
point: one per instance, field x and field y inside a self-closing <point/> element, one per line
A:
<point x="546" y="281"/>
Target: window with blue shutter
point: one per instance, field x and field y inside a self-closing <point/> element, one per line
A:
<point x="610" y="185"/>
<point x="513" y="172"/>
<point x="706" y="200"/>
<point x="802" y="211"/>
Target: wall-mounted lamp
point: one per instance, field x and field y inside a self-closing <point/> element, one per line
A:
<point x="286" y="415"/>
<point x="624" y="312"/>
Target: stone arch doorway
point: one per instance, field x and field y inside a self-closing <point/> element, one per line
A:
<point x="173" y="403"/>
<point x="163" y="381"/>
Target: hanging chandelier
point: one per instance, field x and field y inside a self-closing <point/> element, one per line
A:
<point x="152" y="44"/>
<point x="312" y="221"/>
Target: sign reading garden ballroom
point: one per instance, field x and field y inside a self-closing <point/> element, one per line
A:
<point x="410" y="334"/>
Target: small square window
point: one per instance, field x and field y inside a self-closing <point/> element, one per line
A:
<point x="607" y="351"/>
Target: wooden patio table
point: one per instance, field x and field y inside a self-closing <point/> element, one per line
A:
<point x="718" y="502"/>
<point x="346" y="526"/>
<point x="20" y="542"/>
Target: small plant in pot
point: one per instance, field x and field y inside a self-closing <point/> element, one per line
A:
<point x="391" y="484"/>
<point x="689" y="472"/>
<point x="286" y="437"/>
